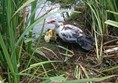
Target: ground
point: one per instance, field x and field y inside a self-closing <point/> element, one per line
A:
<point x="75" y="58"/>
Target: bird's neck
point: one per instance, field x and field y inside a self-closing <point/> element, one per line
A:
<point x="58" y="29"/>
<point x="56" y="25"/>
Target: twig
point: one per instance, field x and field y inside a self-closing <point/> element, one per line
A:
<point x="111" y="50"/>
<point x="110" y="41"/>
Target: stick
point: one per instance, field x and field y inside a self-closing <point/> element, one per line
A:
<point x="111" y="50"/>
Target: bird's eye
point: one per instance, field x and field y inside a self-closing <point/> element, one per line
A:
<point x="61" y="24"/>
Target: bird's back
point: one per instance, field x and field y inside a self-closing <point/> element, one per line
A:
<point x="73" y="34"/>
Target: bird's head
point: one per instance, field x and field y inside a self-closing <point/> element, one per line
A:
<point x="57" y="24"/>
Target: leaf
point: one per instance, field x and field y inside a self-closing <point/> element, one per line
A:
<point x="112" y="23"/>
<point x="56" y="79"/>
<point x="112" y="12"/>
<point x="6" y="54"/>
<point x="87" y="80"/>
<point x="61" y="79"/>
<point x="24" y="5"/>
<point x="39" y="64"/>
<point x="28" y="40"/>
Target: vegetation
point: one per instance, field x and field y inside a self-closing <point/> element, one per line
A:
<point x="28" y="62"/>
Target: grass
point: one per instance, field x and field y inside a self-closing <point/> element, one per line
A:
<point x="99" y="15"/>
<point x="32" y="61"/>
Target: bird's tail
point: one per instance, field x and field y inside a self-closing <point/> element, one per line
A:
<point x="86" y="43"/>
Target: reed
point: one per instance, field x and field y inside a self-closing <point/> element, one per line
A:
<point x="13" y="28"/>
<point x="99" y="14"/>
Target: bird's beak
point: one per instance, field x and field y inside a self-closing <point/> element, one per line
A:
<point x="50" y="22"/>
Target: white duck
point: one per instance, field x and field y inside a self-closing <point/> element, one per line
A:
<point x="72" y="34"/>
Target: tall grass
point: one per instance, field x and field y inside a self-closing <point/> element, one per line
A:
<point x="99" y="15"/>
<point x="13" y="28"/>
<point x="9" y="37"/>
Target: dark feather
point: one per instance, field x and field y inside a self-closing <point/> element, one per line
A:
<point x="85" y="43"/>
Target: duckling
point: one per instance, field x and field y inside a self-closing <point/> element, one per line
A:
<point x="50" y="35"/>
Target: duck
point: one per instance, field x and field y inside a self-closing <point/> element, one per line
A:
<point x="73" y="34"/>
<point x="50" y="35"/>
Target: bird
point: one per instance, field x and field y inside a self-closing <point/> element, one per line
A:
<point x="73" y="34"/>
<point x="50" y="35"/>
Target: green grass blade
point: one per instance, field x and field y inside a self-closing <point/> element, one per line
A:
<point x="39" y="64"/>
<point x="88" y="80"/>
<point x="110" y="69"/>
<point x="112" y="12"/>
<point x="112" y="23"/>
<point x="6" y="54"/>
<point x="56" y="79"/>
<point x="24" y="5"/>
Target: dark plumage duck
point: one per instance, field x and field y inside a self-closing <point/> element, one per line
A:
<point x="72" y="34"/>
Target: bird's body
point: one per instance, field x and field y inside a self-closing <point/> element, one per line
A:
<point x="69" y="33"/>
<point x="72" y="34"/>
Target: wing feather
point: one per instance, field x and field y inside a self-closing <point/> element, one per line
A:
<point x="70" y="33"/>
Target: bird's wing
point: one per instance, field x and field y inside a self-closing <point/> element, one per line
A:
<point x="72" y="27"/>
<point x="70" y="33"/>
<point x="67" y="36"/>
